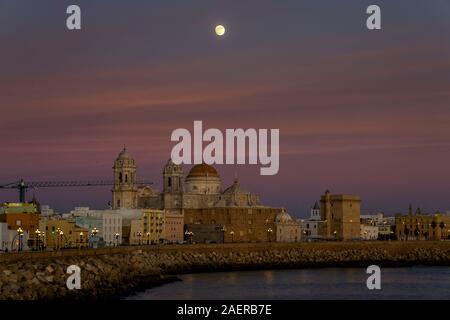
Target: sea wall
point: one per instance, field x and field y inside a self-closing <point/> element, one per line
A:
<point x="116" y="272"/>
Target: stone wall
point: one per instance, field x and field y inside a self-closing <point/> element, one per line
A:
<point x="116" y="272"/>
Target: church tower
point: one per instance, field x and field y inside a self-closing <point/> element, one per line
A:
<point x="315" y="212"/>
<point x="125" y="188"/>
<point x="172" y="185"/>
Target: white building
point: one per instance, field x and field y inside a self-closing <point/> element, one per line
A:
<point x="112" y="227"/>
<point x="46" y="211"/>
<point x="369" y="232"/>
<point x="81" y="212"/>
<point x="287" y="229"/>
<point x="313" y="227"/>
<point x="108" y="222"/>
<point x="384" y="224"/>
<point x="372" y="219"/>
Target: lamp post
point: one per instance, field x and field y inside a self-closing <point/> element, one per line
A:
<point x="37" y="239"/>
<point x="94" y="236"/>
<point x="81" y="239"/>
<point x="20" y="234"/>
<point x="269" y="234"/>
<point x="117" y="239"/>
<point x="335" y="234"/>
<point x="58" y="238"/>
<point x="61" y="234"/>
<point x="148" y="238"/>
<point x="189" y="235"/>
<point x="232" y="236"/>
<point x="139" y="234"/>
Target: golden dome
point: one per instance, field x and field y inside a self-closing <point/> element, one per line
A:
<point x="203" y="170"/>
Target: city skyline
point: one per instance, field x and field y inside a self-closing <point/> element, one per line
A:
<point x="359" y="112"/>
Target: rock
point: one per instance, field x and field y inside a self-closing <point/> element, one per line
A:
<point x="7" y="272"/>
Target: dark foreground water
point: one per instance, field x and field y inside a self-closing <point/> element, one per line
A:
<point x="330" y="283"/>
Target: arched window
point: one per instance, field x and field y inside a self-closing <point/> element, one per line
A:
<point x="120" y="177"/>
<point x="169" y="182"/>
<point x="126" y="178"/>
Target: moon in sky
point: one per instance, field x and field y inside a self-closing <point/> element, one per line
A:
<point x="220" y="30"/>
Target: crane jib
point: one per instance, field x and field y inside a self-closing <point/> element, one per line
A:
<point x="22" y="186"/>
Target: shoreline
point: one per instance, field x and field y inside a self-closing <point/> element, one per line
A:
<point x="118" y="273"/>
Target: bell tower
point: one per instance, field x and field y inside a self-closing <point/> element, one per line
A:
<point x="172" y="185"/>
<point x="125" y="188"/>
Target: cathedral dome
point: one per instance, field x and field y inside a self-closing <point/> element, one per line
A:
<point x="283" y="217"/>
<point x="203" y="179"/>
<point x="203" y="170"/>
<point x="124" y="155"/>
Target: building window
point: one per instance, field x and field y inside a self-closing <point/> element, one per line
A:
<point x="18" y="223"/>
<point x="120" y="177"/>
<point x="169" y="182"/>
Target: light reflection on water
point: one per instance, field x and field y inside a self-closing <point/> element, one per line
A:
<point x="329" y="283"/>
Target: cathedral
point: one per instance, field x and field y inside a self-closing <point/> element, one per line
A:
<point x="202" y="188"/>
<point x="201" y="200"/>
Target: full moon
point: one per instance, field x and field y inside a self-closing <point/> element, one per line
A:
<point x="220" y="30"/>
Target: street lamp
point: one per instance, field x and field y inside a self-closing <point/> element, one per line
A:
<point x="81" y="239"/>
<point x="269" y="234"/>
<point x="61" y="234"/>
<point x="117" y="239"/>
<point x="37" y="239"/>
<point x="148" y="238"/>
<point x="94" y="236"/>
<point x="335" y="234"/>
<point x="139" y="234"/>
<point x="20" y="234"/>
<point x="189" y="235"/>
<point x="223" y="233"/>
<point x="232" y="236"/>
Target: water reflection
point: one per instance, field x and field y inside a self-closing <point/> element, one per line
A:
<point x="332" y="283"/>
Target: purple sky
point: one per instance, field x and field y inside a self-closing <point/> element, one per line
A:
<point x="359" y="112"/>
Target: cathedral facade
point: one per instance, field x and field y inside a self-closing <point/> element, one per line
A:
<point x="201" y="200"/>
<point x="201" y="188"/>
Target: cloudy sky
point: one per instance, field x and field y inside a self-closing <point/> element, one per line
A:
<point x="359" y="112"/>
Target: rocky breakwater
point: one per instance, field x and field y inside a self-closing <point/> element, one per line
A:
<point x="111" y="273"/>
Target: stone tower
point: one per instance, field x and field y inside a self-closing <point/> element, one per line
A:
<point x="125" y="188"/>
<point x="342" y="215"/>
<point x="172" y="185"/>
